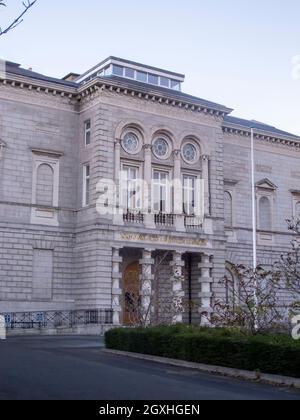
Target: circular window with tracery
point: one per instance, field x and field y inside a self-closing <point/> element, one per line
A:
<point x="131" y="143"/>
<point x="161" y="148"/>
<point x="190" y="153"/>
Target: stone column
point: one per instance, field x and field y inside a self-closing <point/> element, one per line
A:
<point x="205" y="177"/>
<point x="116" y="289"/>
<point x="178" y="193"/>
<point x="147" y="194"/>
<point x="205" y="295"/>
<point x="146" y="278"/>
<point x="177" y="287"/>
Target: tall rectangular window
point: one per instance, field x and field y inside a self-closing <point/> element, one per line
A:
<point x="161" y="192"/>
<point x="189" y="194"/>
<point x="131" y="192"/>
<point x="87" y="132"/>
<point x="86" y="185"/>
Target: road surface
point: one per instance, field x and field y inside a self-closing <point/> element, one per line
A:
<point x="75" y="368"/>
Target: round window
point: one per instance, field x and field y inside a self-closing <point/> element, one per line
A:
<point x="130" y="143"/>
<point x="189" y="153"/>
<point x="161" y="148"/>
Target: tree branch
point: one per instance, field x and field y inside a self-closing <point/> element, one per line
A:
<point x="27" y="5"/>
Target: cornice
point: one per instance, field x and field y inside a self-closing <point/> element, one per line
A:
<point x="38" y="85"/>
<point x="95" y="87"/>
<point x="265" y="136"/>
<point x="88" y="91"/>
<point x="98" y="85"/>
<point x="42" y="152"/>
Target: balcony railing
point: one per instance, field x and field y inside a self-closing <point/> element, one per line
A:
<point x="162" y="219"/>
<point x="193" y="222"/>
<point x="133" y="217"/>
<point x="168" y="220"/>
<point x="57" y="319"/>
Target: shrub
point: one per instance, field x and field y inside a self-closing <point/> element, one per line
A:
<point x="274" y="354"/>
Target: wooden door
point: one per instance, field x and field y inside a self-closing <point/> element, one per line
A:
<point x="131" y="295"/>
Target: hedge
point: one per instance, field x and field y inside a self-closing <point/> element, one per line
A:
<point x="273" y="354"/>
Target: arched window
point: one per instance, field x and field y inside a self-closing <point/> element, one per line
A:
<point x="265" y="214"/>
<point x="232" y="286"/>
<point x="228" y="209"/>
<point x="44" y="185"/>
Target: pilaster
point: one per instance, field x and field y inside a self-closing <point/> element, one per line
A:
<point x="177" y="287"/>
<point x="146" y="278"/>
<point x="116" y="289"/>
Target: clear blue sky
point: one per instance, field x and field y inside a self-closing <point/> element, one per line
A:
<point x="234" y="52"/>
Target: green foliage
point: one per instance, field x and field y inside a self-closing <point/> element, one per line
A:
<point x="274" y="354"/>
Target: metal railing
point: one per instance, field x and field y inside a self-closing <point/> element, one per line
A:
<point x="133" y="217"/>
<point x="57" y="319"/>
<point x="163" y="219"/>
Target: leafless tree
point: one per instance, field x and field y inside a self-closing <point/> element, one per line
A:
<point x="27" y="4"/>
<point x="287" y="270"/>
<point x="253" y="306"/>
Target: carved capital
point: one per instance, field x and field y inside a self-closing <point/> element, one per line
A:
<point x="205" y="158"/>
<point x="147" y="147"/>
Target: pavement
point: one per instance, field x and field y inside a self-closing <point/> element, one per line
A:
<point x="76" y="368"/>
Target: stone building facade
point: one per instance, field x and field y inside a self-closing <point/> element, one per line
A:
<point x="119" y="122"/>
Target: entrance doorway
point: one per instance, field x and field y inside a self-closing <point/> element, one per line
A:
<point x="131" y="295"/>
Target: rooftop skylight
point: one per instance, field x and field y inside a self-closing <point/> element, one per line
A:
<point x="134" y="71"/>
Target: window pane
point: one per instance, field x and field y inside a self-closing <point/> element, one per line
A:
<point x="87" y="138"/>
<point x="86" y="185"/>
<point x="87" y="134"/>
<point x="156" y="197"/>
<point x="189" y="194"/>
<point x="107" y="70"/>
<point x="130" y="188"/>
<point x="129" y="73"/>
<point x="118" y="70"/>
<point x="164" y="81"/>
<point x="175" y="85"/>
<point x="153" y="79"/>
<point x="141" y="76"/>
<point x="133" y="173"/>
<point x="87" y="193"/>
<point x="265" y="214"/>
<point x="160" y="191"/>
<point x="163" y="177"/>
